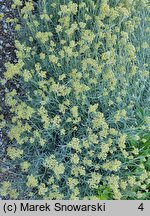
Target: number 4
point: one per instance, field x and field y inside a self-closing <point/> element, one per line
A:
<point x="141" y="207"/>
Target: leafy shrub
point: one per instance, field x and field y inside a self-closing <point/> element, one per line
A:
<point x="83" y="75"/>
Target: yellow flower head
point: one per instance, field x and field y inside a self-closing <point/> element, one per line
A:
<point x="31" y="181"/>
<point x="25" y="166"/>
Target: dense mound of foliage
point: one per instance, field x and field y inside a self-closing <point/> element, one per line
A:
<point x="79" y="126"/>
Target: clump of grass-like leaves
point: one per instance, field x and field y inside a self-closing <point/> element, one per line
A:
<point x="79" y="116"/>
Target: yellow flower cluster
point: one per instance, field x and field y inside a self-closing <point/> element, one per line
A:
<point x="14" y="153"/>
<point x="113" y="182"/>
<point x="105" y="149"/>
<point x="23" y="111"/>
<point x="42" y="189"/>
<point x="93" y="108"/>
<point x="119" y="114"/>
<point x="51" y="163"/>
<point x="99" y="120"/>
<point x="112" y="165"/>
<point x="88" y="36"/>
<point x="25" y="166"/>
<point x="60" y="90"/>
<point x="43" y="36"/>
<point x="56" y="121"/>
<point x="94" y="180"/>
<point x="5" y="188"/>
<point x="71" y="8"/>
<point x="12" y="69"/>
<point x="28" y="7"/>
<point x="31" y="181"/>
<point x="75" y="144"/>
<point x="75" y="159"/>
<point x="44" y="116"/>
<point x="1" y="16"/>
<point x="16" y="3"/>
